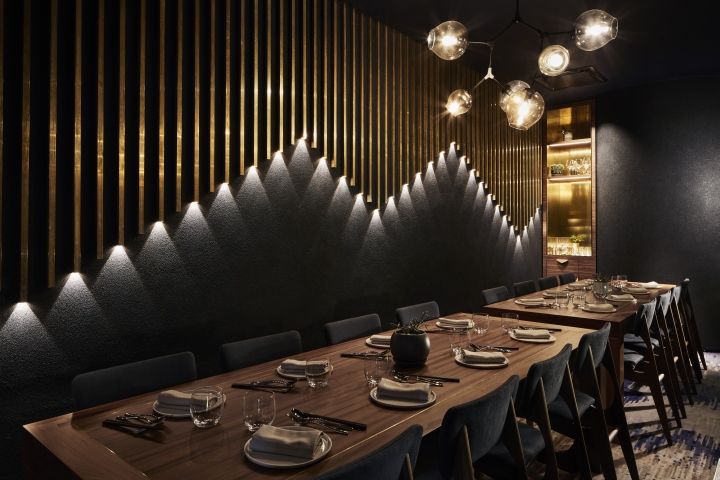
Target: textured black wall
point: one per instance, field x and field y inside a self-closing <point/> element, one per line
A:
<point x="658" y="189"/>
<point x="290" y="247"/>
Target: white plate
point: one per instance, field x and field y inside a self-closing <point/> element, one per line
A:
<point x="458" y="359"/>
<point x="293" y="376"/>
<point x="532" y="340"/>
<point x="449" y="327"/>
<point x="585" y="309"/>
<point x="272" y="460"/>
<point x="403" y="404"/>
<point x="173" y="413"/>
<point x="375" y="345"/>
<point x="525" y="303"/>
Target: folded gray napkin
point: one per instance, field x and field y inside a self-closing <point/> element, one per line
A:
<point x="459" y="323"/>
<point x="414" y="392"/>
<point x="285" y="441"/>
<point x="630" y="289"/>
<point x="380" y="339"/>
<point x="599" y="307"/>
<point x="299" y="367"/>
<point x="532" y="333"/>
<point x="174" y="398"/>
<point x="482" y="357"/>
<point x="621" y="297"/>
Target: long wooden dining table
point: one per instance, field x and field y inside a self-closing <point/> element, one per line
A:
<point x="620" y="320"/>
<point x="76" y="445"/>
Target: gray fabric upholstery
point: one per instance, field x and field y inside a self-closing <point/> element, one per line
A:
<point x="484" y="419"/>
<point x="385" y="463"/>
<point x="499" y="463"/>
<point x="561" y="419"/>
<point x="356" y="327"/>
<point x="634" y="341"/>
<point x="114" y="383"/>
<point x="664" y="302"/>
<point x="632" y="358"/>
<point x="252" y="351"/>
<point x="566" y="278"/>
<point x="645" y="315"/>
<point x="548" y="282"/>
<point x="524" y="288"/>
<point x="551" y="371"/>
<point x="420" y="311"/>
<point x="492" y="295"/>
<point x="596" y="342"/>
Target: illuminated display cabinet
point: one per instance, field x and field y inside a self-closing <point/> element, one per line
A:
<point x="569" y="191"/>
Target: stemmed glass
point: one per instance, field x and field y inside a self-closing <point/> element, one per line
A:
<point x="618" y="282"/>
<point x="601" y="290"/>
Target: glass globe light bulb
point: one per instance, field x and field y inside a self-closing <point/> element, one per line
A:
<point x="448" y="40"/>
<point x="595" y="29"/>
<point x="458" y="102"/>
<point x="553" y="60"/>
<point x="523" y="106"/>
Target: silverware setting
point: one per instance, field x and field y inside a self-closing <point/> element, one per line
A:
<point x="406" y="379"/>
<point x="274" y="385"/>
<point x="299" y="417"/>
<point x="345" y="424"/>
<point x="492" y="348"/>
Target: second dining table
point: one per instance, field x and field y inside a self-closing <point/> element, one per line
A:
<point x="78" y="445"/>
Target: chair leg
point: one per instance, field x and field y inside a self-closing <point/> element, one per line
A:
<point x="567" y="391"/>
<point x="463" y="459"/>
<point x="654" y="384"/>
<point x="667" y="368"/>
<point x="511" y="439"/>
<point x="551" y="466"/>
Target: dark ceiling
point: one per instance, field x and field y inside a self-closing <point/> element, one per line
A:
<point x="657" y="39"/>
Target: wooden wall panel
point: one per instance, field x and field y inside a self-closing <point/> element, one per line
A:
<point x="371" y="99"/>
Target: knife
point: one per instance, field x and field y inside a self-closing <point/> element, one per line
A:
<point x="350" y="423"/>
<point x="428" y="377"/>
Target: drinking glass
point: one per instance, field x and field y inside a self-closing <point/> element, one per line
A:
<point x="206" y="406"/>
<point x="458" y="339"/>
<point x="509" y="321"/>
<point x="318" y="379"/>
<point x="601" y="290"/>
<point x="618" y="282"/>
<point x="376" y="367"/>
<point x="258" y="409"/>
<point x="563" y="299"/>
<point x="579" y="299"/>
<point x="481" y="323"/>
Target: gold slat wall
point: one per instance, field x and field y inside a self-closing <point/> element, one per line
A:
<point x="371" y="99"/>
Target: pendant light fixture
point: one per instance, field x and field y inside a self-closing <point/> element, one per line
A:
<point x="523" y="106"/>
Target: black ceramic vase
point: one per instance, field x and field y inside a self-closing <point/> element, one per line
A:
<point x="410" y="350"/>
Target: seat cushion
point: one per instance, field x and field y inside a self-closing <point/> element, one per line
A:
<point x="632" y="339"/>
<point x="499" y="463"/>
<point x="632" y="358"/>
<point x="560" y="416"/>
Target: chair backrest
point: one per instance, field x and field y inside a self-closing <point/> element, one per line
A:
<point x="420" y="311"/>
<point x="548" y="282"/>
<point x="552" y="372"/>
<point x="493" y="295"/>
<point x="524" y="288"/>
<point x="685" y="297"/>
<point x="260" y="349"/>
<point x="664" y="302"/>
<point x="644" y="317"/>
<point x="566" y="278"/>
<point x="594" y="342"/>
<point x="387" y="462"/>
<point x="122" y="381"/>
<point x="484" y="419"/>
<point x="356" y="327"/>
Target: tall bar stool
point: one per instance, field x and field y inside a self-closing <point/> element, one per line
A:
<point x="524" y="288"/>
<point x="549" y="387"/>
<point x="253" y="351"/>
<point x="350" y="328"/>
<point x="685" y="305"/>
<point x="548" y="282"/>
<point x="592" y="353"/>
<point x="417" y="312"/>
<point x="494" y="295"/>
<point x="641" y="365"/>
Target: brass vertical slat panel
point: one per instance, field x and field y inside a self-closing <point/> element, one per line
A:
<point x="2" y="117"/>
<point x="161" y="111"/>
<point x="352" y="119"/>
<point x="326" y="81"/>
<point x="100" y="148"/>
<point x="179" y="109"/>
<point x="77" y="185"/>
<point x="228" y="87"/>
<point x="121" y="120"/>
<point x="25" y="162"/>
<point x="269" y="120"/>
<point x="397" y="109"/>
<point x="196" y="108"/>
<point x="347" y="166"/>
<point x="256" y="81"/>
<point x="410" y="138"/>
<point x="281" y="74"/>
<point x="367" y="159"/>
<point x="406" y="107"/>
<point x="142" y="119"/>
<point x="213" y="120"/>
<point x="387" y="106"/>
<point x="293" y="70"/>
<point x="304" y="69"/>
<point x="243" y="78"/>
<point x="317" y="66"/>
<point x="52" y="132"/>
<point x="336" y="82"/>
<point x="360" y="46"/>
<point x="379" y="158"/>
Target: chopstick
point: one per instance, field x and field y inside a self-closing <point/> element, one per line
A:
<point x="428" y="377"/>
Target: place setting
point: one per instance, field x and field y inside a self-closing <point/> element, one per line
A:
<point x="378" y="341"/>
<point x="510" y="323"/>
<point x="401" y="395"/>
<point x="532" y="302"/>
<point x="315" y="371"/>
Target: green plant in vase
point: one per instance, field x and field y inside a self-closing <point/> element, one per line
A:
<point x="410" y="344"/>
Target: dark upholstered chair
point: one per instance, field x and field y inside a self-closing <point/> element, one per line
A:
<point x="566" y="278"/>
<point x="421" y="311"/>
<point x="593" y="352"/>
<point x="484" y="435"/>
<point x="356" y="327"/>
<point x="690" y="343"/>
<point x="686" y="309"/>
<point x="548" y="386"/>
<point x="641" y="364"/>
<point x="114" y="383"/>
<point x="493" y="295"/>
<point x="252" y="351"/>
<point x="548" y="282"/>
<point x="524" y="288"/>
<point x="394" y="460"/>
